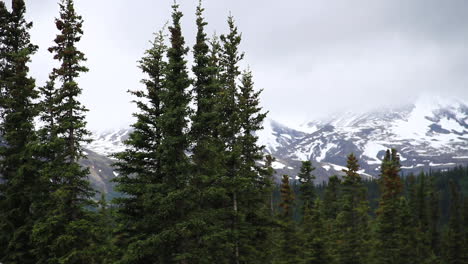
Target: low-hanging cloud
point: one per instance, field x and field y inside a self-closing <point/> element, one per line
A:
<point x="310" y="57"/>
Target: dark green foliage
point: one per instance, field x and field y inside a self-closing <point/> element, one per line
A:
<point x="139" y="167"/>
<point x="329" y="212"/>
<point x="288" y="240"/>
<point x="313" y="244"/>
<point x="268" y="243"/>
<point x="314" y="247"/>
<point x="407" y="235"/>
<point x="307" y="186"/>
<point x="256" y="221"/>
<point x="423" y="224"/>
<point x="239" y="118"/>
<point x="287" y="200"/>
<point x="229" y="128"/>
<point x="433" y="208"/>
<point x="65" y="232"/>
<point x="155" y="168"/>
<point x="209" y="197"/>
<point x="269" y="174"/>
<point x="330" y="198"/>
<point x="455" y="252"/>
<point x="18" y="164"/>
<point x="352" y="219"/>
<point x="176" y="227"/>
<point x="106" y="250"/>
<point x="388" y="222"/>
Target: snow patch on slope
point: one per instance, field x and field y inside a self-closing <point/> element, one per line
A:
<point x="416" y="124"/>
<point x="267" y="137"/>
<point x="451" y="125"/>
<point x="371" y="149"/>
<point x="278" y="165"/>
<point x="323" y="152"/>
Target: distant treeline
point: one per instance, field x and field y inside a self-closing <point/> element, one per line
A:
<point x="419" y="218"/>
<point x="439" y="178"/>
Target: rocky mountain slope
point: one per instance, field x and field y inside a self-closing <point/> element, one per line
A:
<point x="432" y="133"/>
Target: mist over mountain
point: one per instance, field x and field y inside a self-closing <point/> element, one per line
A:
<point x="432" y="133"/>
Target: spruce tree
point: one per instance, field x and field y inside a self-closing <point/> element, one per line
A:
<point x="174" y="162"/>
<point x="65" y="233"/>
<point x="269" y="174"/>
<point x="307" y="187"/>
<point x="288" y="249"/>
<point x="388" y="223"/>
<point x="352" y="220"/>
<point x="139" y="166"/>
<point x="253" y="214"/>
<point x="329" y="212"/>
<point x="269" y="240"/>
<point x="229" y="127"/>
<point x="18" y="164"/>
<point x="155" y="166"/>
<point x="210" y="236"/>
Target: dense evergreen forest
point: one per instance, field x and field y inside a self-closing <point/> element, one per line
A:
<point x="195" y="185"/>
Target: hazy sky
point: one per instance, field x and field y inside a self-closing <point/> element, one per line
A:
<point x="311" y="57"/>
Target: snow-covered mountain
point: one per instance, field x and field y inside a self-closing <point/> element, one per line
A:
<point x="432" y="133"/>
<point x="108" y="142"/>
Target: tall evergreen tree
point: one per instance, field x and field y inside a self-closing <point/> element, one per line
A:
<point x="269" y="174"/>
<point x="253" y="213"/>
<point x="209" y="196"/>
<point x="352" y="220"/>
<point x="172" y="241"/>
<point x="230" y="127"/>
<point x="139" y="166"/>
<point x="162" y="136"/>
<point x="329" y="212"/>
<point x="307" y="186"/>
<point x="268" y="243"/>
<point x="388" y="222"/>
<point x="65" y="232"/>
<point x="230" y="130"/>
<point x="18" y="165"/>
<point x="288" y="248"/>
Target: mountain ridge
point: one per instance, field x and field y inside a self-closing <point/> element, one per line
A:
<point x="431" y="133"/>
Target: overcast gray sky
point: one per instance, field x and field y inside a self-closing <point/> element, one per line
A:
<point x="311" y="57"/>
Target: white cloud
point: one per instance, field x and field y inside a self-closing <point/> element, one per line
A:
<point x="310" y="57"/>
